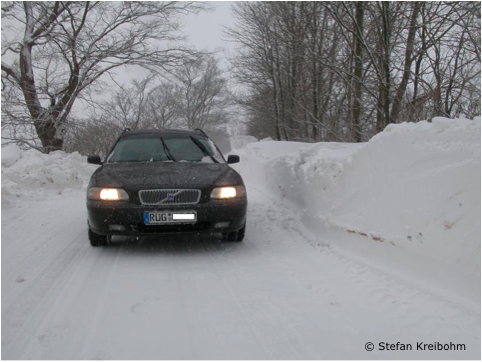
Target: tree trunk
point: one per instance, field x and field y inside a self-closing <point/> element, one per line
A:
<point x="43" y="123"/>
<point x="356" y="127"/>
<point x="408" y="63"/>
<point x="385" y="68"/>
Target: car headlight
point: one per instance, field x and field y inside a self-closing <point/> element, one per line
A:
<point x="107" y="194"/>
<point x="228" y="192"/>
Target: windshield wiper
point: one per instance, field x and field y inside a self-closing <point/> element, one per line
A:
<point x="203" y="149"/>
<point x="167" y="151"/>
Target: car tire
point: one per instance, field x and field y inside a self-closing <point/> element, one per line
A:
<point x="235" y="236"/>
<point x="98" y="240"/>
<point x="241" y="233"/>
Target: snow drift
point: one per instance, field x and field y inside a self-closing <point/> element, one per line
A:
<point x="32" y="175"/>
<point x="414" y="188"/>
<point x="239" y="142"/>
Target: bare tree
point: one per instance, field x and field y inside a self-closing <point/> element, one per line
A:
<point x="66" y="47"/>
<point x="322" y="71"/>
<point x="255" y="61"/>
<point x="358" y="72"/>
<point x="408" y="61"/>
<point x="162" y="109"/>
<point x="194" y="96"/>
<point x="90" y="137"/>
<point x="202" y="93"/>
<point x="451" y="60"/>
<point x="126" y="105"/>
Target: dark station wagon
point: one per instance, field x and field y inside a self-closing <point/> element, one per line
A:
<point x="165" y="181"/>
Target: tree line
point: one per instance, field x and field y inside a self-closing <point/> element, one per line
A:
<point x="342" y="71"/>
<point x="194" y="95"/>
<point x="55" y="54"/>
<point x="308" y="71"/>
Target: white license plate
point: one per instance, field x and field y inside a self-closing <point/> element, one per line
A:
<point x="169" y="217"/>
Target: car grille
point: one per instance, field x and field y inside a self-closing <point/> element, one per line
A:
<point x="169" y="197"/>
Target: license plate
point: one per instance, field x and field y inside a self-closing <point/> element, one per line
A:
<point x="169" y="217"/>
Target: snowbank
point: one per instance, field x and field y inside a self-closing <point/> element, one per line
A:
<point x="240" y="142"/>
<point x="414" y="187"/>
<point x="32" y="175"/>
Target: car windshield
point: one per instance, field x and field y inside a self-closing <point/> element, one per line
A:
<point x="165" y="148"/>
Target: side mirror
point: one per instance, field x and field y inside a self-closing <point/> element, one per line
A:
<point x="233" y="159"/>
<point x="94" y="159"/>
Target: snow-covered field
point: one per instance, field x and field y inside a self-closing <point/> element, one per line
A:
<point x="346" y="244"/>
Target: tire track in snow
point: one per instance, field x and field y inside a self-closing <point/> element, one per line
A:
<point x="274" y="335"/>
<point x="102" y="277"/>
<point x="185" y="315"/>
<point x="71" y="325"/>
<point x="40" y="257"/>
<point x="20" y="311"/>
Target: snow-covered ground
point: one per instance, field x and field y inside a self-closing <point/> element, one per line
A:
<point x="408" y="200"/>
<point x="346" y="244"/>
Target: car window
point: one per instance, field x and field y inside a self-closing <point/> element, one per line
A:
<point x="150" y="149"/>
<point x="184" y="149"/>
<point x="213" y="149"/>
<point x="138" y="150"/>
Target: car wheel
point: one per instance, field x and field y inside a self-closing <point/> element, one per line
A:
<point x="235" y="236"/>
<point x="98" y="240"/>
<point x="241" y="233"/>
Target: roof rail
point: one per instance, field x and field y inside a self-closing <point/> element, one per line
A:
<point x="200" y="130"/>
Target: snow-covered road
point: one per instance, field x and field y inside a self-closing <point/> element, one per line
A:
<point x="280" y="294"/>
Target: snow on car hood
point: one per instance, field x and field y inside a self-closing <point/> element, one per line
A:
<point x="165" y="175"/>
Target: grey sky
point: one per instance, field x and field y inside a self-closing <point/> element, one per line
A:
<point x="204" y="29"/>
<point x="203" y="32"/>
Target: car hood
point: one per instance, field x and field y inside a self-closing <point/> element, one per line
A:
<point x="177" y="175"/>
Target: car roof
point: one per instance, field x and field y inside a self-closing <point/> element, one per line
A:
<point x="163" y="131"/>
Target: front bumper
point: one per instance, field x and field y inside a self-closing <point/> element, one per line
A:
<point x="125" y="218"/>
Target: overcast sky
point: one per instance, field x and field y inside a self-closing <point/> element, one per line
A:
<point x="205" y="29"/>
